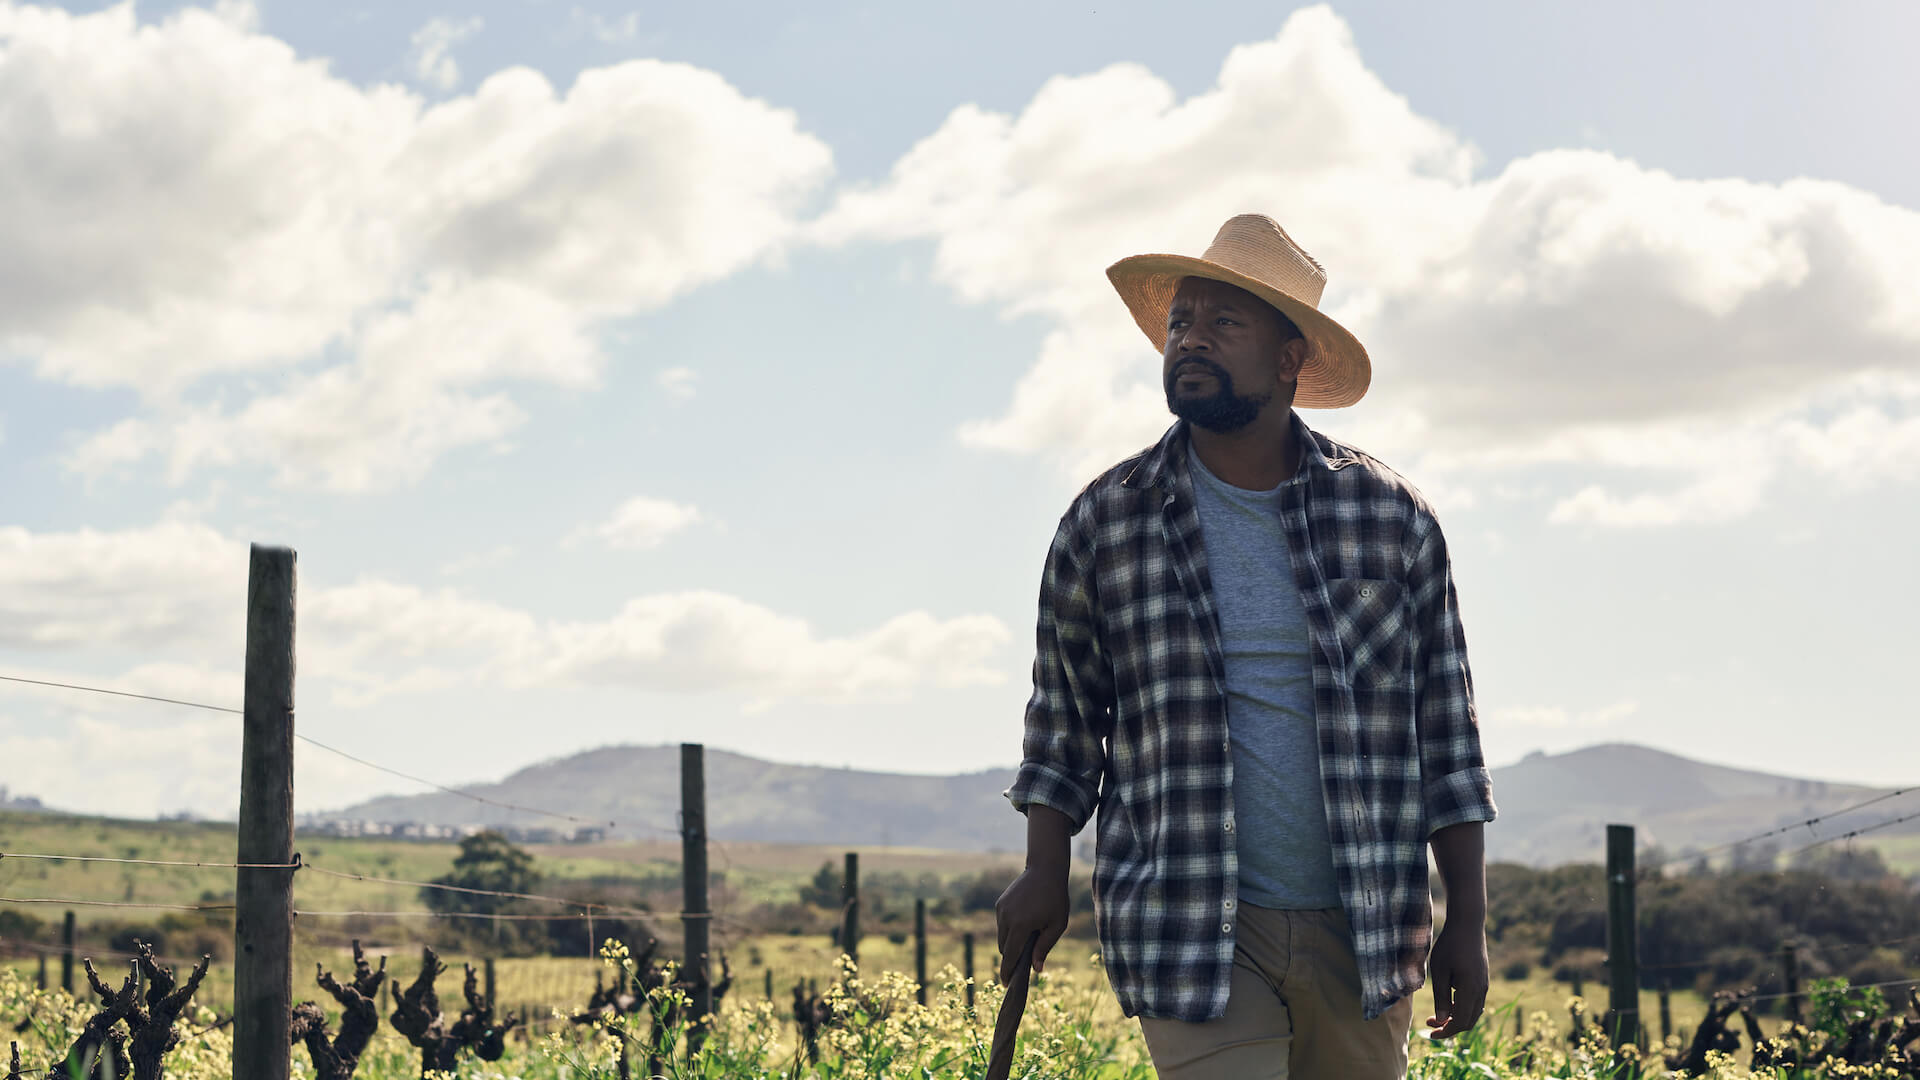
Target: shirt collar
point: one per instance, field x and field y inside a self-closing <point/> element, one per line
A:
<point x="1166" y="461"/>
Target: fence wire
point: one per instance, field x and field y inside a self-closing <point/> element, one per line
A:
<point x="117" y="693"/>
<point x="453" y="791"/>
<point x="583" y="917"/>
<point x="719" y="919"/>
<point x="565" y="900"/>
<point x="309" y="740"/>
<point x="5" y="855"/>
<point x="66" y="902"/>
<point x="41" y="949"/>
<point x="1862" y="986"/>
<point x="1804" y="946"/>
<point x="1856" y="832"/>
<point x="1808" y="823"/>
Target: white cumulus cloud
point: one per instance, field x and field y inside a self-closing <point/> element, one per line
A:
<point x="166" y="584"/>
<point x="680" y="383"/>
<point x="175" y="595"/>
<point x="1558" y="716"/>
<point x="639" y="523"/>
<point x="1570" y="301"/>
<point x="193" y="201"/>
<point x="109" y="761"/>
<point x="607" y="31"/>
<point x="431" y="59"/>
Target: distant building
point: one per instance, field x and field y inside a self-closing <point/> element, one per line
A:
<point x="360" y="828"/>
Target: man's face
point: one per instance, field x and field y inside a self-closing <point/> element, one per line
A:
<point x="1226" y="355"/>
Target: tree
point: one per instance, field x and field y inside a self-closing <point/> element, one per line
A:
<point x="983" y="892"/>
<point x="1843" y="863"/>
<point x="486" y="861"/>
<point x="1750" y="857"/>
<point x="824" y="890"/>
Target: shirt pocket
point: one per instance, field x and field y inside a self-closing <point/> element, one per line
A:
<point x="1370" y="617"/>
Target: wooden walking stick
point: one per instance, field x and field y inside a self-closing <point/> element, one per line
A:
<point x="1007" y="1024"/>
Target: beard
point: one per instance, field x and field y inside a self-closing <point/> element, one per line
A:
<point x="1222" y="411"/>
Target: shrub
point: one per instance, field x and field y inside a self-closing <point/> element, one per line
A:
<point x="127" y="939"/>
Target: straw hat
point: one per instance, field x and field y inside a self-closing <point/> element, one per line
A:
<point x="1255" y="253"/>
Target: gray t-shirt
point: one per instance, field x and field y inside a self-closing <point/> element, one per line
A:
<point x="1286" y="858"/>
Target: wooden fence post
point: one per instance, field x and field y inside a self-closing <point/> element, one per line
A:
<point x="263" y="899"/>
<point x="850" y="897"/>
<point x="769" y="984"/>
<point x="920" y="947"/>
<point x="695" y="916"/>
<point x="66" y="955"/>
<point x="1790" y="970"/>
<point x="1623" y="966"/>
<point x="43" y="971"/>
<point x="493" y="988"/>
<point x="1666" y="1009"/>
<point x="966" y="945"/>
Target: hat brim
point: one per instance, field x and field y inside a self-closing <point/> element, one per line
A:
<point x="1337" y="371"/>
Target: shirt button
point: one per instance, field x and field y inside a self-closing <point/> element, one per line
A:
<point x="1366" y="591"/>
<point x="1229" y="905"/>
<point x="1228" y="826"/>
<point x="1226" y="928"/>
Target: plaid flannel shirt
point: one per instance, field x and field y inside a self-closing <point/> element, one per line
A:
<point x="1129" y="715"/>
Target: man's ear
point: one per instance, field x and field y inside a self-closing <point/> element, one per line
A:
<point x="1293" y="356"/>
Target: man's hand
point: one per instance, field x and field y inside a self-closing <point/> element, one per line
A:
<point x="1458" y="975"/>
<point x="1037" y="899"/>
<point x="1458" y="963"/>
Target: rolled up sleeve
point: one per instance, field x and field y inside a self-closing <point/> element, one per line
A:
<point x="1455" y="784"/>
<point x="1070" y="713"/>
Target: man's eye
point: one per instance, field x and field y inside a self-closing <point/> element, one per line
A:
<point x="1175" y="324"/>
<point x="1225" y="320"/>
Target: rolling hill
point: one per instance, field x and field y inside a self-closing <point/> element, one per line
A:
<point x="748" y="799"/>
<point x="1553" y="808"/>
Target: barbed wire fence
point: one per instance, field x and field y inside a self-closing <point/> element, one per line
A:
<point x="1659" y="866"/>
<point x="267" y="865"/>
<point x="703" y="927"/>
<point x="588" y="910"/>
<point x="1623" y="1023"/>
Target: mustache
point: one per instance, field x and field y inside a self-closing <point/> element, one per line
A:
<point x="1219" y="373"/>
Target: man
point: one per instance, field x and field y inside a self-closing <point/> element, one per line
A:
<point x="1250" y="661"/>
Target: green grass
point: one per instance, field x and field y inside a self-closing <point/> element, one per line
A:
<point x="755" y="874"/>
<point x="546" y="983"/>
<point x="1073" y="1029"/>
<point x="196" y="842"/>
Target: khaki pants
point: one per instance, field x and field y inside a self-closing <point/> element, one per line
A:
<point x="1293" y="1011"/>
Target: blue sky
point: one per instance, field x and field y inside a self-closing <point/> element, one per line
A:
<point x="629" y="374"/>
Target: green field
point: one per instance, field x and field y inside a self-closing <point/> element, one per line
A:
<point x="751" y="880"/>
<point x="754" y="874"/>
<point x="748" y="875"/>
<point x="205" y="842"/>
<point x="1073" y="1028"/>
